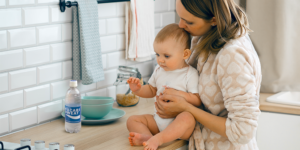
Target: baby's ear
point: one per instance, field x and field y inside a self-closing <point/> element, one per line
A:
<point x="187" y="53"/>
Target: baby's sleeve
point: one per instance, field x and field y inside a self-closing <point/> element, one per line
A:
<point x="152" y="80"/>
<point x="192" y="81"/>
<point x="238" y="78"/>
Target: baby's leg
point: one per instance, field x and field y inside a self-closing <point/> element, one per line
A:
<point x="182" y="127"/>
<point x="141" y="128"/>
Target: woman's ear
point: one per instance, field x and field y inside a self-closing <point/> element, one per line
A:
<point x="213" y="21"/>
<point x="187" y="53"/>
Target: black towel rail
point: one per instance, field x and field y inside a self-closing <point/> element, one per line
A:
<point x="63" y="4"/>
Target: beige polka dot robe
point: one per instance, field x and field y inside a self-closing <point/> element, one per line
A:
<point x="229" y="85"/>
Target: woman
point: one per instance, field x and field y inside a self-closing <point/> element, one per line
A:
<point x="230" y="76"/>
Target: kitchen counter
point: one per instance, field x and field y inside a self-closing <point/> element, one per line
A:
<point x="274" y="107"/>
<point x="112" y="136"/>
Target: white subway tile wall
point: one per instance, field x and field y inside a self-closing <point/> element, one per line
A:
<point x="110" y="78"/>
<point x="23" y="118"/>
<point x="61" y="51"/>
<point x="85" y="88"/>
<point x="49" y="111"/>
<point x="30" y="55"/>
<point x="23" y="37"/>
<point x="108" y="43"/>
<point x="36" y="95"/>
<point x="11" y="101"/>
<point x="58" y="16"/>
<point x="102" y="26"/>
<point x="172" y="5"/>
<point x="111" y="91"/>
<point x="104" y="61"/>
<point x="47" y="2"/>
<point x="47" y="34"/>
<point x="59" y="89"/>
<point x="120" y="41"/>
<point x="157" y="19"/>
<point x="18" y="2"/>
<point x="35" y="15"/>
<point x="3" y="82"/>
<point x="22" y="78"/>
<point x="115" y="25"/>
<point x="107" y="10"/>
<point x="11" y="60"/>
<point x="36" y="57"/>
<point x="4" y="124"/>
<point x="101" y="92"/>
<point x="115" y="59"/>
<point x="3" y="40"/>
<point x="49" y="73"/>
<point x="161" y="6"/>
<point x="168" y="18"/>
<point x="66" y="30"/>
<point x="67" y="70"/>
<point x="12" y="17"/>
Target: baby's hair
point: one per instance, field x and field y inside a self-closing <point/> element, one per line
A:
<point x="174" y="31"/>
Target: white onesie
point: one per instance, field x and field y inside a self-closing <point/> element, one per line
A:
<point x="184" y="79"/>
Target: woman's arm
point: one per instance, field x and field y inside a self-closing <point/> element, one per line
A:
<point x="178" y="104"/>
<point x="212" y="122"/>
<point x="192" y="98"/>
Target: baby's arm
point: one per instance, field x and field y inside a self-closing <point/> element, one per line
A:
<point x="145" y="91"/>
<point x="192" y="98"/>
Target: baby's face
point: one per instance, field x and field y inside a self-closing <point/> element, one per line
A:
<point x="169" y="54"/>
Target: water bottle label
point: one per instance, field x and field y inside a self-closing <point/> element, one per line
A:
<point x="73" y="114"/>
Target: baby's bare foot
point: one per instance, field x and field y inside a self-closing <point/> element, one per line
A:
<point x="137" y="138"/>
<point x="152" y="143"/>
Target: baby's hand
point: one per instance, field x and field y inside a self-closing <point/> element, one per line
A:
<point x="134" y="84"/>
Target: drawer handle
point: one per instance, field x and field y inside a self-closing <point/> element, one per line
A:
<point x="2" y="146"/>
<point x="26" y="146"/>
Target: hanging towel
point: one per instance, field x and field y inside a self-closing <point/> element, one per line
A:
<point x="87" y="58"/>
<point x="139" y="30"/>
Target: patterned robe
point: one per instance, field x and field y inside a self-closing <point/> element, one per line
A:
<point x="229" y="86"/>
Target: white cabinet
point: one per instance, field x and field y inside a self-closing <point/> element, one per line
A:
<point x="277" y="131"/>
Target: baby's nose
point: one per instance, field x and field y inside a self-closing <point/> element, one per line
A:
<point x="160" y="59"/>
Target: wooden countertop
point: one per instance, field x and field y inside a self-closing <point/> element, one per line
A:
<point x="274" y="107"/>
<point x="113" y="136"/>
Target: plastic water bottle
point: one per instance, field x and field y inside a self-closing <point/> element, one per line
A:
<point x="73" y="109"/>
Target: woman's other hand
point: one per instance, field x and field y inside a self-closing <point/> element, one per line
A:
<point x="169" y="106"/>
<point x="171" y="91"/>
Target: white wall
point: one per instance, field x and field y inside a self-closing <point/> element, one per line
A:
<point x="36" y="57"/>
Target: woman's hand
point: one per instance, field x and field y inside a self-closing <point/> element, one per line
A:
<point x="171" y="91"/>
<point x="175" y="105"/>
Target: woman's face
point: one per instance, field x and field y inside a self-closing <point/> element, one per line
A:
<point x="194" y="25"/>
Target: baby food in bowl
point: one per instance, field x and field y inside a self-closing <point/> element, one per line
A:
<point x="127" y="100"/>
<point x="124" y="96"/>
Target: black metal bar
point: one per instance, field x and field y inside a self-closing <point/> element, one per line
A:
<point x="23" y="147"/>
<point x="63" y="4"/>
<point x="2" y="146"/>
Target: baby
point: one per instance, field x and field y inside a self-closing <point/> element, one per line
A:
<point x="172" y="74"/>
